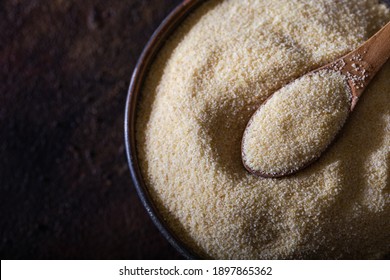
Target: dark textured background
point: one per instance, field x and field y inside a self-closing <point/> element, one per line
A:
<point x="65" y="189"/>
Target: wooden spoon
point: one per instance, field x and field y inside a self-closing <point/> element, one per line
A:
<point x="358" y="67"/>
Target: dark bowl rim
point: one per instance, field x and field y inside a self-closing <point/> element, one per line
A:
<point x="156" y="42"/>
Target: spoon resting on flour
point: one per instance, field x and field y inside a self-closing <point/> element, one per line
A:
<point x="296" y="124"/>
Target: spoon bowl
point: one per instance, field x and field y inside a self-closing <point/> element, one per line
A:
<point x="272" y="143"/>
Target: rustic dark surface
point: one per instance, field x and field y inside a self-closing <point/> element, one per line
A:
<point x="65" y="190"/>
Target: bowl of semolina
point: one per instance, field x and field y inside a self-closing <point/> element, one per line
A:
<point x="205" y="71"/>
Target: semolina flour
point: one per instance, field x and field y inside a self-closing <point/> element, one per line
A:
<point x="206" y="82"/>
<point x="296" y="124"/>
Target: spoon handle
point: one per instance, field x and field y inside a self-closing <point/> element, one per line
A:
<point x="377" y="49"/>
<point x="361" y="65"/>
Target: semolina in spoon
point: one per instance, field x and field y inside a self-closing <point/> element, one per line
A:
<point x="298" y="122"/>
